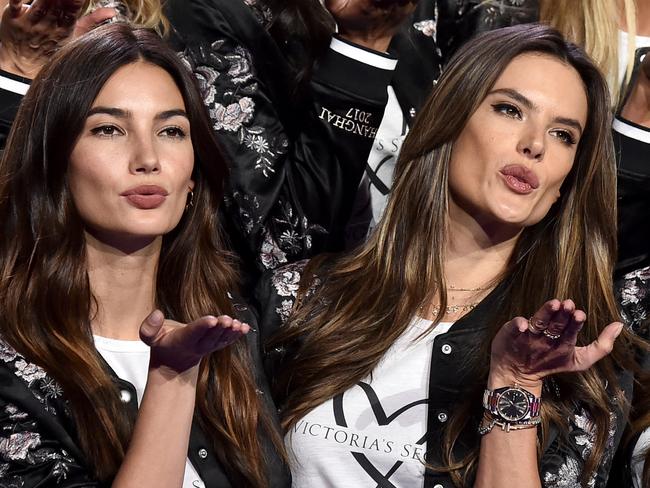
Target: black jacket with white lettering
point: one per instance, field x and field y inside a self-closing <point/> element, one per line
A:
<point x="295" y="168"/>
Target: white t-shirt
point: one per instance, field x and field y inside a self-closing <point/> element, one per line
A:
<point x="130" y="361"/>
<point x="638" y="457"/>
<point x="374" y="431"/>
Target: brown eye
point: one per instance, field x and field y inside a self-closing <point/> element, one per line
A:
<point x="507" y="109"/>
<point x="174" y="132"/>
<point x="105" y="131"/>
<point x="565" y="136"/>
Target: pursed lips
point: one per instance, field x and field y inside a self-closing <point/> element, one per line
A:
<point x="145" y="196"/>
<point x="519" y="178"/>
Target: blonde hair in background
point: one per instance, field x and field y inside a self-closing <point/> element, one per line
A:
<point x="144" y="13"/>
<point x="594" y="25"/>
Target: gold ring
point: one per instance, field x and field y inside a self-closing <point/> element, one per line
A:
<point x="532" y="328"/>
<point x="551" y="336"/>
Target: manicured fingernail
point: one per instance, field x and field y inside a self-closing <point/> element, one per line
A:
<point x="155" y="318"/>
<point x="619" y="329"/>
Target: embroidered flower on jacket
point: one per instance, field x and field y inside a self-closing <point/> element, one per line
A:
<point x="567" y="476"/>
<point x="16" y="447"/>
<point x="427" y="27"/>
<point x="286" y="281"/>
<point x="14" y="412"/>
<point x="240" y="66"/>
<point x="284" y="310"/>
<point x="232" y="117"/>
<point x="51" y="388"/>
<point x="256" y="143"/>
<point x="206" y="78"/>
<point x="7" y="353"/>
<point x="29" y="371"/>
<point x="271" y="255"/>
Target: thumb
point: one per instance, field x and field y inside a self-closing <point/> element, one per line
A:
<point x="588" y="355"/>
<point x="151" y="326"/>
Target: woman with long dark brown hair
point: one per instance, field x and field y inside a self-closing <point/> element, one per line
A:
<point x="109" y="194"/>
<point x="395" y="360"/>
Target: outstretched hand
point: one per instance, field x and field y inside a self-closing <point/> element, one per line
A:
<point x="370" y="23"/>
<point x="30" y="34"/>
<point x="527" y="350"/>
<point x="179" y="347"/>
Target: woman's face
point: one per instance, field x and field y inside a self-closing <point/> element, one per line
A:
<point x="511" y="158"/>
<point x="130" y="170"/>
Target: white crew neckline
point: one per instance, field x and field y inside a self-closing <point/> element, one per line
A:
<point x="119" y="345"/>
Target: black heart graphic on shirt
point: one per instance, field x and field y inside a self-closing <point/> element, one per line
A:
<point x="382" y="418"/>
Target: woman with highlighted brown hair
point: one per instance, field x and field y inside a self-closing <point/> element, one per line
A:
<point x="400" y="364"/>
<point x="120" y="362"/>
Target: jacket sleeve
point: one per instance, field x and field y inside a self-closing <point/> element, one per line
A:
<point x="563" y="461"/>
<point x="36" y="446"/>
<point x="295" y="167"/>
<point x="12" y="90"/>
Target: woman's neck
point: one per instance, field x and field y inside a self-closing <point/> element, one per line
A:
<point x="477" y="253"/>
<point x="123" y="285"/>
<point x="475" y="257"/>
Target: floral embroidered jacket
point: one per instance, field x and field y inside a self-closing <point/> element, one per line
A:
<point x="295" y="168"/>
<point x="563" y="457"/>
<point x="38" y="446"/>
<point x="633" y="294"/>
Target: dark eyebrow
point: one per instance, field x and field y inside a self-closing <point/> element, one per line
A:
<point x="168" y="114"/>
<point x="570" y="122"/>
<point x="115" y="112"/>
<point x="515" y="95"/>
<point x="125" y="114"/>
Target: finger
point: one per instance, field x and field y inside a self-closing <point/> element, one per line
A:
<point x="569" y="306"/>
<point x="239" y="326"/>
<point x="560" y="319"/>
<point x="151" y="327"/>
<point x="518" y="325"/>
<point x="228" y="337"/>
<point x="245" y="328"/>
<point x="15" y="8"/>
<point x="571" y="331"/>
<point x="201" y="328"/>
<point x="39" y="10"/>
<point x="539" y="321"/>
<point x="587" y="356"/>
<point x="225" y="321"/>
<point x="89" y="22"/>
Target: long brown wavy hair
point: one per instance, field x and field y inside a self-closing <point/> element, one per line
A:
<point x="640" y="421"/>
<point x="368" y="297"/>
<point x="45" y="296"/>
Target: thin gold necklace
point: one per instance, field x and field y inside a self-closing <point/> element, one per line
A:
<point x="455" y="288"/>
<point x="454" y="309"/>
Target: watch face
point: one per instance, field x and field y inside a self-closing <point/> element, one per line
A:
<point x="513" y="404"/>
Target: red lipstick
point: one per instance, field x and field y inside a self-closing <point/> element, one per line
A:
<point x="145" y="197"/>
<point x="519" y="178"/>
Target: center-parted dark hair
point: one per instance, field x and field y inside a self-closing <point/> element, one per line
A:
<point x="304" y="28"/>
<point x="372" y="294"/>
<point x="46" y="302"/>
